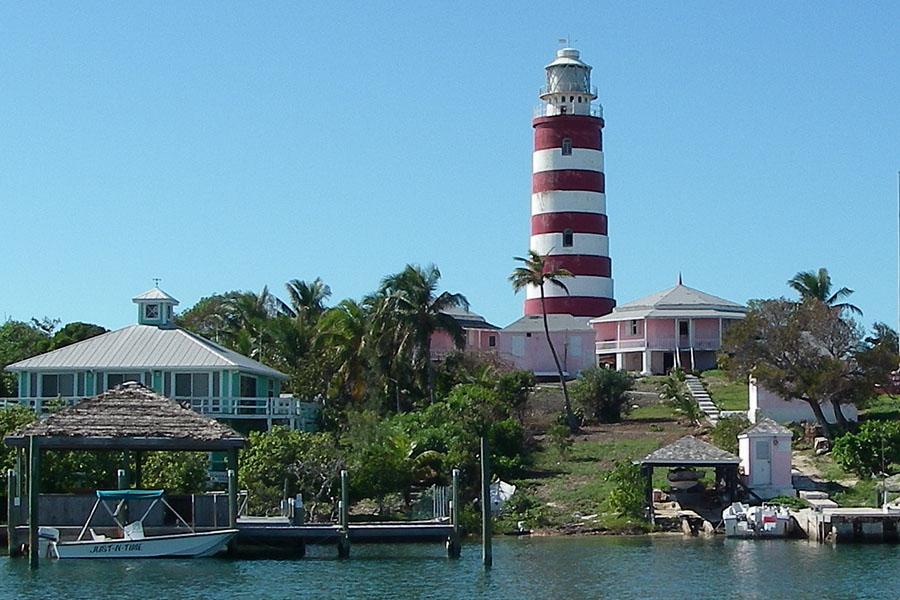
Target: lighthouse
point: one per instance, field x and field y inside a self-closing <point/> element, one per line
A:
<point x="568" y="200"/>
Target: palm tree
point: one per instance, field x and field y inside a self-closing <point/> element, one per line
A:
<point x="817" y="286"/>
<point x="534" y="272"/>
<point x="307" y="298"/>
<point x="412" y="293"/>
<point x="344" y="332"/>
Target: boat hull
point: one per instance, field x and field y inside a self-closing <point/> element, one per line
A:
<point x="186" y="545"/>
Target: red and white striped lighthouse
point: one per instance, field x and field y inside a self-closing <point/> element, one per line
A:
<point x="568" y="200"/>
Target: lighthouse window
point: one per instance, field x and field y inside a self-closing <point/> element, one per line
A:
<point x="579" y="99"/>
<point x="571" y="98"/>
<point x="567" y="238"/>
<point x="567" y="147"/>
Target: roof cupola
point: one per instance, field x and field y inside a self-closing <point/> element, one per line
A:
<point x="155" y="307"/>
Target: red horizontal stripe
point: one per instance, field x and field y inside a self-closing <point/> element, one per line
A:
<point x="585" y="181"/>
<point x="580" y="264"/>
<point x="578" y="222"/>
<point x="578" y="306"/>
<point x="584" y="131"/>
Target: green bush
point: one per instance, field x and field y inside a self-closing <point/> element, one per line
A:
<point x="308" y="463"/>
<point x="724" y="434"/>
<point x="627" y="496"/>
<point x="871" y="450"/>
<point x="176" y="472"/>
<point x="601" y="393"/>
<point x="559" y="438"/>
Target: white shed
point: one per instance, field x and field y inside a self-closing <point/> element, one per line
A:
<point x="765" y="452"/>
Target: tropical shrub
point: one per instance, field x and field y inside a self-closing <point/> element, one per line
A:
<point x="11" y="418"/>
<point x="870" y="450"/>
<point x="724" y="434"/>
<point x="282" y="460"/>
<point x="601" y="393"/>
<point x="559" y="438"/>
<point x="379" y="457"/>
<point x="627" y="496"/>
<point x="176" y="472"/>
<point x="672" y="390"/>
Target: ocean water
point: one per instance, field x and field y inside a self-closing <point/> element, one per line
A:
<point x="668" y="567"/>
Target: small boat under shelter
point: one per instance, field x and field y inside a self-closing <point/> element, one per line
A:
<point x="133" y="543"/>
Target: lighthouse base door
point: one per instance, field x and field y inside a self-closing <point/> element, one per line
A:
<point x="761" y="469"/>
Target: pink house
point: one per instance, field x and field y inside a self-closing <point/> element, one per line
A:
<point x="679" y="326"/>
<point x="524" y="344"/>
<point x="765" y="451"/>
<point x="480" y="335"/>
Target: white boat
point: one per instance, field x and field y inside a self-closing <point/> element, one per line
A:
<point x="766" y="521"/>
<point x="134" y="544"/>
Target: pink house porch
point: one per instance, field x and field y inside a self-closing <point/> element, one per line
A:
<point x="679" y="326"/>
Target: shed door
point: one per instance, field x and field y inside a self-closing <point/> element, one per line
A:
<point x="761" y="468"/>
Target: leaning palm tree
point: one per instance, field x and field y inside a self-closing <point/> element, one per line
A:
<point x="344" y="332"/>
<point x="412" y="294"/>
<point x="534" y="272"/>
<point x="817" y="286"/>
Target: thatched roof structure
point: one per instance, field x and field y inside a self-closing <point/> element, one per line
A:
<point x="128" y="417"/>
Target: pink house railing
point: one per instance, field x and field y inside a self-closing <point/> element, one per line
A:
<point x="658" y="343"/>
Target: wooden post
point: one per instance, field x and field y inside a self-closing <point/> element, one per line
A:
<point x="344" y="539"/>
<point x="453" y="544"/>
<point x="122" y="483"/>
<point x="34" y="492"/>
<point x="487" y="555"/>
<point x="647" y="473"/>
<point x="232" y="464"/>
<point x="12" y="512"/>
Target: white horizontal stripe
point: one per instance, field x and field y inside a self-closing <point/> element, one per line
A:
<point x="565" y="201"/>
<point x="582" y="243"/>
<point x="580" y="285"/>
<point x="552" y="159"/>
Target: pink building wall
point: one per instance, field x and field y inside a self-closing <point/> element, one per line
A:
<point x="779" y="481"/>
<point x="575" y="351"/>
<point x="478" y="340"/>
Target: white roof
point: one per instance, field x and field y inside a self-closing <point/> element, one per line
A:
<point x="143" y="347"/>
<point x="678" y="301"/>
<point x="567" y="56"/>
<point x="532" y="323"/>
<point x="154" y="294"/>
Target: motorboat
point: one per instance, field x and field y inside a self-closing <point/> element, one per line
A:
<point x="134" y="543"/>
<point x="765" y="521"/>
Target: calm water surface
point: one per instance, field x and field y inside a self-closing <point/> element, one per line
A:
<point x="597" y="567"/>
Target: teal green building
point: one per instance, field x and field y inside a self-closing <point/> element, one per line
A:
<point x="212" y="379"/>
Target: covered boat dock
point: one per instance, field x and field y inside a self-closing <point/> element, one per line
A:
<point x="129" y="418"/>
<point x="689" y="452"/>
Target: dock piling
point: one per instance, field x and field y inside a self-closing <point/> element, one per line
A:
<point x="453" y="543"/>
<point x="232" y="499"/>
<point x="12" y="512"/>
<point x="344" y="506"/>
<point x="487" y="554"/>
<point x="34" y="492"/>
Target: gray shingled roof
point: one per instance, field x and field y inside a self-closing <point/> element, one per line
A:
<point x="689" y="451"/>
<point x="532" y="323"/>
<point x="677" y="301"/>
<point x="767" y="426"/>
<point x="142" y="347"/>
<point x="129" y="416"/>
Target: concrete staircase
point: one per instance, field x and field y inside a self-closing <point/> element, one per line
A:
<point x="701" y="396"/>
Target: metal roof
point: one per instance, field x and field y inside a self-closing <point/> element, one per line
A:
<point x="154" y="294"/>
<point x="677" y="301"/>
<point x="532" y="323"/>
<point x="468" y="319"/>
<point x="142" y="347"/>
<point x="689" y="451"/>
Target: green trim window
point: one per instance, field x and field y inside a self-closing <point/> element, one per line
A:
<point x="192" y="385"/>
<point x="53" y="385"/>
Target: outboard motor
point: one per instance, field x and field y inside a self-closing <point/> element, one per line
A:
<point x="47" y="540"/>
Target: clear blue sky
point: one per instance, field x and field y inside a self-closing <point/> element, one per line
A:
<point x="222" y="146"/>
